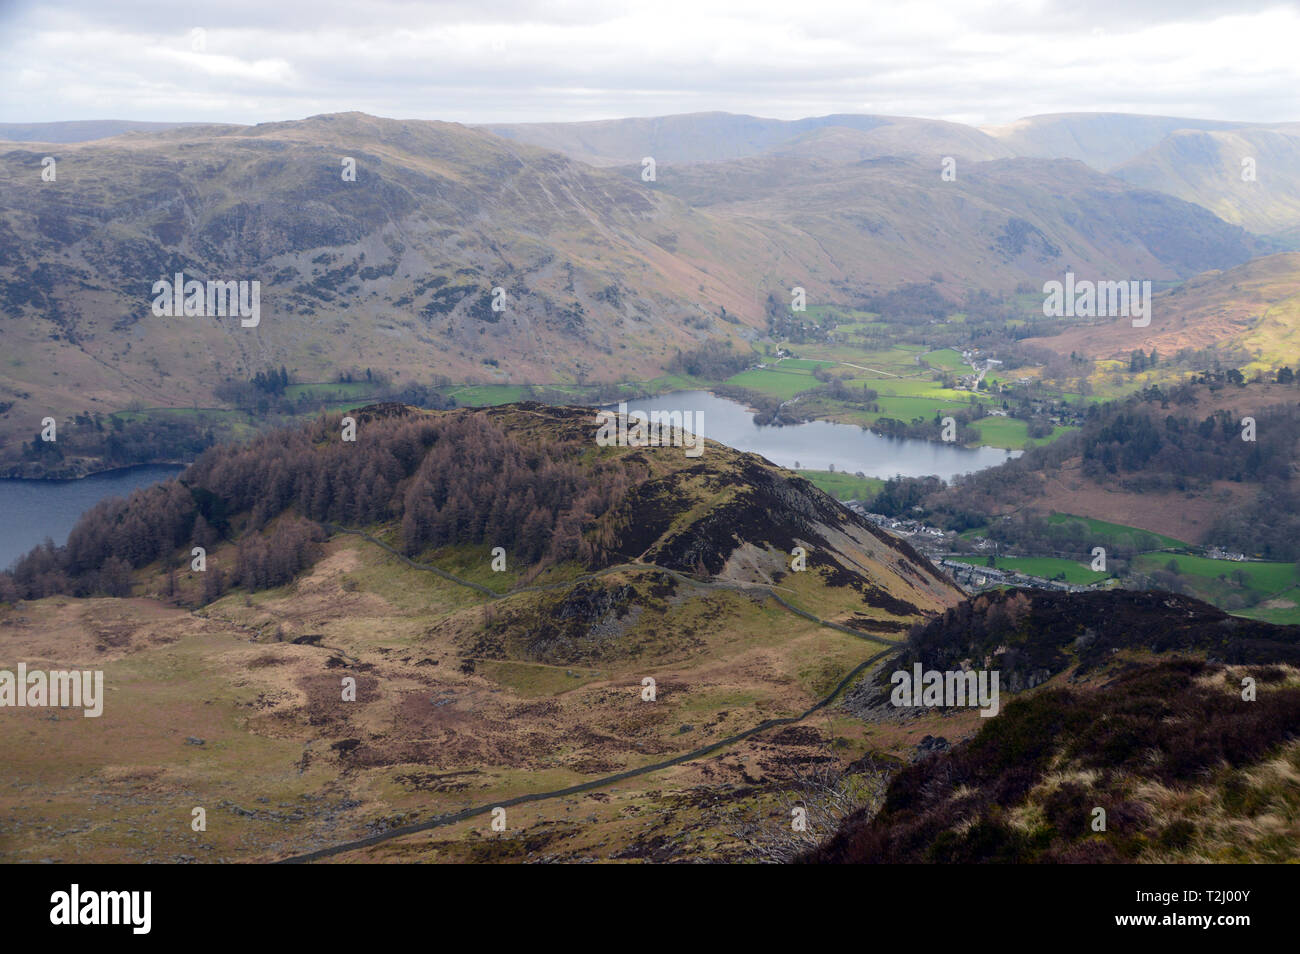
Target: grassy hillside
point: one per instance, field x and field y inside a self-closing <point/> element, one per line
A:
<point x="474" y="686"/>
<point x="1205" y="166"/>
<point x="1103" y="140"/>
<point x="394" y="272"/>
<point x="1248" y="313"/>
<point x="843" y="486"/>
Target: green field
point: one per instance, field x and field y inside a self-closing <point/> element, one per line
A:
<point x="1240" y="588"/>
<point x="800" y="364"/>
<point x="1115" y="534"/>
<point x="843" y="486"/>
<point x="899" y="360"/>
<point x="909" y="407"/>
<point x="1013" y="433"/>
<point x="947" y="359"/>
<point x="774" y="382"/>
<point x="1279" y="612"/>
<point x="482" y="395"/>
<point x="330" y="391"/>
<point x="917" y="387"/>
<point x="1002" y="431"/>
<point x="672" y="382"/>
<point x="1260" y="577"/>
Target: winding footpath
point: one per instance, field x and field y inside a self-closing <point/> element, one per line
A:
<point x="452" y="818"/>
<point x="764" y="588"/>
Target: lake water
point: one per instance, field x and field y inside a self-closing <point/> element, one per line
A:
<point x="817" y="445"/>
<point x="31" y="510"/>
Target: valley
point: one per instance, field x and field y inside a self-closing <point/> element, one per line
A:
<point x="399" y="604"/>
<point x="390" y="277"/>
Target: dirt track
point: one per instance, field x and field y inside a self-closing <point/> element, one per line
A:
<point x="453" y="818"/>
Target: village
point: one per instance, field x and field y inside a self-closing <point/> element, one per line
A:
<point x="939" y="546"/>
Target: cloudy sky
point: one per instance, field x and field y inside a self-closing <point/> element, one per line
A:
<point x="533" y="60"/>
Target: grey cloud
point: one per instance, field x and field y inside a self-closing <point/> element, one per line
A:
<point x="549" y="60"/>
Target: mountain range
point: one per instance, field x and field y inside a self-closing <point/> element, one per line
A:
<point x="361" y="635"/>
<point x="604" y="274"/>
<point x="1194" y="159"/>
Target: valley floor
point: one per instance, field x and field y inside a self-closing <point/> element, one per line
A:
<point x="236" y="709"/>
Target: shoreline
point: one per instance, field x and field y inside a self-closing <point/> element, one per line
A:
<point x="81" y="469"/>
<point x="73" y="474"/>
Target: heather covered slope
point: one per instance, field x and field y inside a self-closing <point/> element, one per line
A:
<point x="477" y="687"/>
<point x="1138" y="710"/>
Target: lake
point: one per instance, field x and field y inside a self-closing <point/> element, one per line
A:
<point x="35" y="509"/>
<point x="817" y="445"/>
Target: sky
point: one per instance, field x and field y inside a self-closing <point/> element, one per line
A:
<point x="248" y="61"/>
